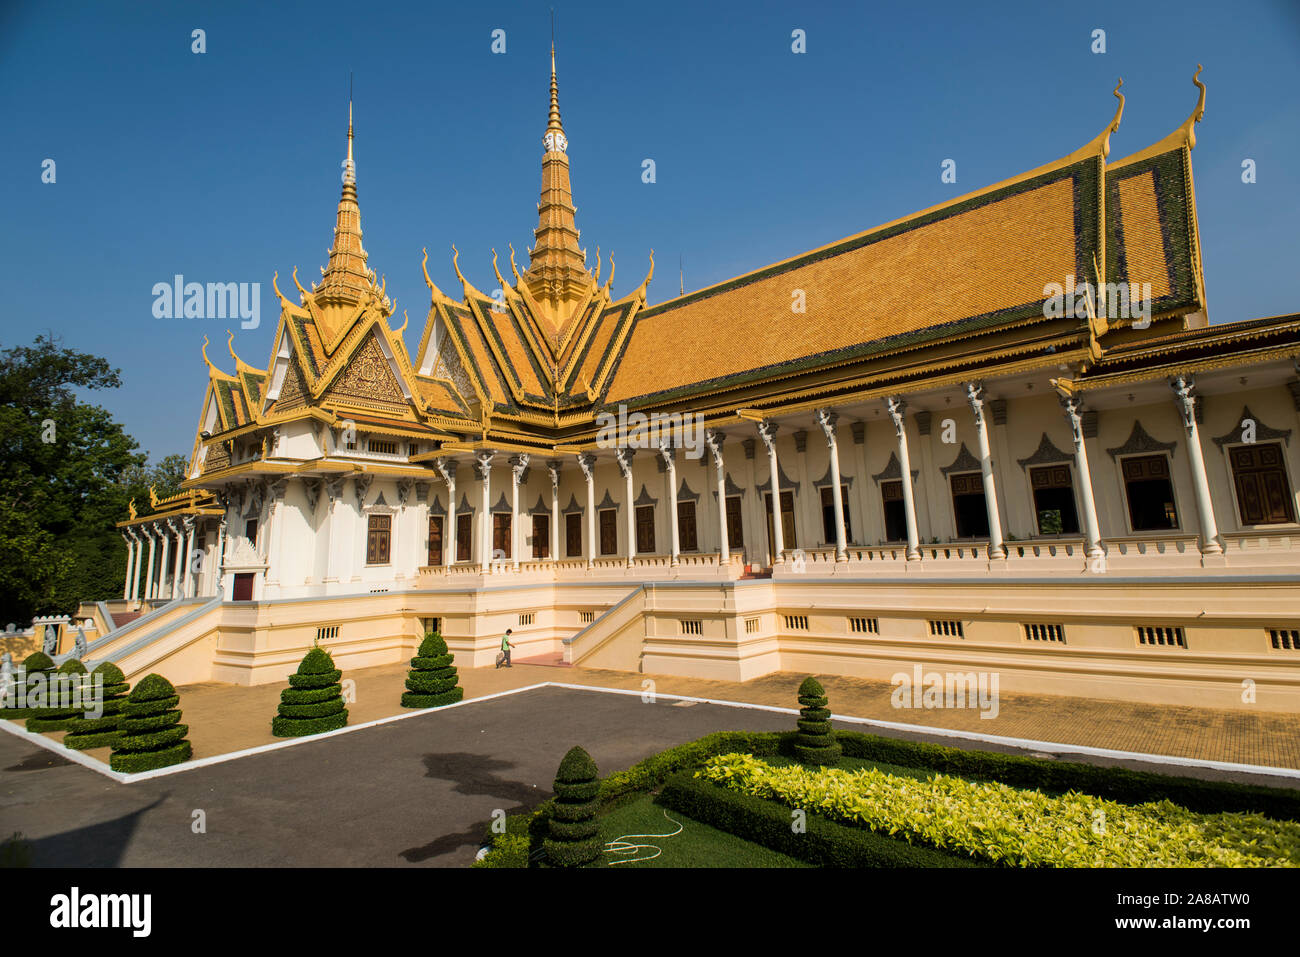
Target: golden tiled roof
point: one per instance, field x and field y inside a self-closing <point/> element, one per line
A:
<point x="995" y="255"/>
<point x="1144" y="241"/>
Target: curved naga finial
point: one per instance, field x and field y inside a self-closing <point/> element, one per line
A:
<point x="612" y="266"/>
<point x="596" y="278"/>
<point x="1114" y="123"/>
<point x="500" y="281"/>
<point x="425" y="266"/>
<point x="301" y="292"/>
<point x="204" y="350"/>
<point x="130" y="509"/>
<point x="648" y="276"/>
<point x="405" y="320"/>
<point x="276" y="286"/>
<point x="230" y="346"/>
<point x="1198" y="113"/>
<point x="153" y="497"/>
<point x="513" y="268"/>
<point x="455" y="260"/>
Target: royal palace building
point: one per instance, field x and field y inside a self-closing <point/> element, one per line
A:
<point x="997" y="435"/>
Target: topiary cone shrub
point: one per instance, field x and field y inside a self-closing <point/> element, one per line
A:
<point x="815" y="743"/>
<point x="150" y="733"/>
<point x="431" y="681"/>
<point x="37" y="663"/>
<point x="574" y="832"/>
<point x="59" y="712"/>
<point x="313" y="702"/>
<point x="103" y="731"/>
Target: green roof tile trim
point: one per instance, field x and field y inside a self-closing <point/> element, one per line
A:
<point x="484" y="310"/>
<point x="1173" y="200"/>
<point x="300" y="326"/>
<point x="619" y="313"/>
<point x="1087" y="178"/>
<point x="227" y="403"/>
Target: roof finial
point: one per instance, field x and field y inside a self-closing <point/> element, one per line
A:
<point x="1198" y="113"/>
<point x="553" y="123"/>
<point x="349" y="167"/>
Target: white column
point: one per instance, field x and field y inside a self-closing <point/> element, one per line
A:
<point x="518" y="464"/>
<point x="1183" y="387"/>
<point x="148" y="579"/>
<point x="130" y="561"/>
<point x="178" y="563"/>
<point x="187" y="581"/>
<point x="484" y="464"/>
<point x="827" y="418"/>
<point x="625" y="465"/>
<point x="139" y="560"/>
<point x="1074" y="413"/>
<point x="587" y="462"/>
<point x="897" y="407"/>
<point x="219" y="560"/>
<point x="553" y="467"/>
<point x="767" y="432"/>
<point x="670" y="469"/>
<point x="715" y="439"/>
<point x="975" y="393"/>
<point x="165" y="552"/>
<point x="447" y="469"/>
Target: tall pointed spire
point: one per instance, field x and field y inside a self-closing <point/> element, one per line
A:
<point x="557" y="272"/>
<point x="346" y="279"/>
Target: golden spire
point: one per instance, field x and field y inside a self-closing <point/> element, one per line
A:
<point x="553" y="124"/>
<point x="346" y="279"/>
<point x="557" y="273"/>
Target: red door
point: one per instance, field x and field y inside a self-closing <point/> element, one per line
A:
<point x="243" y="587"/>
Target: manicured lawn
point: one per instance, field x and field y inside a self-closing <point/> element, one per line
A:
<point x="697" y="845"/>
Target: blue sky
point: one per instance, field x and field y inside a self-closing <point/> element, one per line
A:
<point x="224" y="166"/>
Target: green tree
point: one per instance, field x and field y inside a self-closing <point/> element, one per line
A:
<point x="67" y="471"/>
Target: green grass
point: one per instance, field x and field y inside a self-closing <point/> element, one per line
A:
<point x="698" y="845"/>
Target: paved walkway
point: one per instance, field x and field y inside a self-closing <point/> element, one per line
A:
<point x="409" y="793"/>
<point x="224" y="718"/>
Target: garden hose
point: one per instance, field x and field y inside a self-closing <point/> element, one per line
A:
<point x="620" y="845"/>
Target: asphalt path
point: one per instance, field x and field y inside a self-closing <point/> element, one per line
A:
<point x="414" y="792"/>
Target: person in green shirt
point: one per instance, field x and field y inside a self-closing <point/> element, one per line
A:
<point x="505" y="650"/>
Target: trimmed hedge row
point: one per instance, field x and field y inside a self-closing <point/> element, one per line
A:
<point x="824" y="843"/>
<point x="313" y="702"/>
<point x="150" y="733"/>
<point x="1117" y="784"/>
<point x="103" y="731"/>
<point x="57" y="716"/>
<point x="38" y="662"/>
<point x="432" y="680"/>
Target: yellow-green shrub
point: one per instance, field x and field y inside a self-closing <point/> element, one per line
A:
<point x="1016" y="827"/>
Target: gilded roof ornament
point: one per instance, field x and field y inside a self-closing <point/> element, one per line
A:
<point x="302" y="293"/>
<point x="284" y="303"/>
<point x="130" y="508"/>
<point x="405" y="320"/>
<point x="211" y="366"/>
<point x="1197" y="114"/>
<point x="153" y="497"/>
